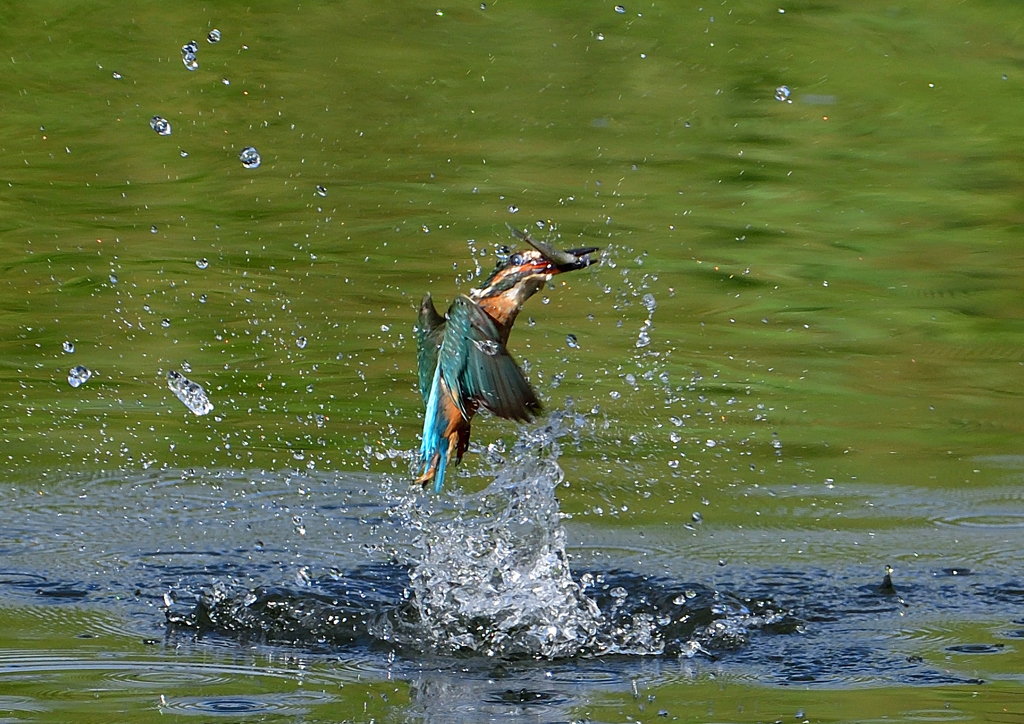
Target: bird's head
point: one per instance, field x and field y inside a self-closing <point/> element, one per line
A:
<point x="523" y="273"/>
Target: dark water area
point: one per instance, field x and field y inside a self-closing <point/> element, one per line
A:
<point x="308" y="586"/>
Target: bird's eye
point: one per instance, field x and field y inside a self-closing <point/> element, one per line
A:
<point x="515" y="259"/>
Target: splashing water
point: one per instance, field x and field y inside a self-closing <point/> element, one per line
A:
<point x="489" y="575"/>
<point x="79" y="375"/>
<point x="189" y="392"/>
<point x="249" y="157"/>
<point x="493" y="577"/>
<point x="161" y="125"/>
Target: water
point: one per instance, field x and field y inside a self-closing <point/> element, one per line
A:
<point x="188" y="55"/>
<point x="79" y="375"/>
<point x="249" y="157"/>
<point x="160" y="125"/>
<point x="190" y="393"/>
<point x="828" y="378"/>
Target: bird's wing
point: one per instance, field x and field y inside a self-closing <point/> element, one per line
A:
<point x="478" y="368"/>
<point x="429" y="333"/>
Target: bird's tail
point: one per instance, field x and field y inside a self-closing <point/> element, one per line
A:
<point x="435" y="447"/>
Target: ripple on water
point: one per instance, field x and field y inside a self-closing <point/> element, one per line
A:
<point x="234" y="706"/>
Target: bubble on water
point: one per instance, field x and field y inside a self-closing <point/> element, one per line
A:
<point x="620" y="9"/>
<point x="782" y="93"/>
<point x="301" y="343"/>
<point x="161" y="125"/>
<point x="79" y="375"/>
<point x="570" y="339"/>
<point x="249" y="157"/>
<point x="321" y="190"/>
<point x="69" y="347"/>
<point x="202" y="263"/>
<point x="512" y="208"/>
<point x="165" y="323"/>
<point x="213" y="36"/>
<point x="188" y="54"/>
<point x="190" y="393"/>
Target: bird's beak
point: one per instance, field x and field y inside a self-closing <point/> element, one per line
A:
<point x="562" y="260"/>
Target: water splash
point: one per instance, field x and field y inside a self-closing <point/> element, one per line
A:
<point x="493" y="576"/>
<point x="190" y="393"/>
<point x="488" y="575"/>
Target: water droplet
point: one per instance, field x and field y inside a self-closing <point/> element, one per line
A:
<point x="188" y="55"/>
<point x="113" y="278"/>
<point x="202" y="299"/>
<point x="618" y="592"/>
<point x="117" y="76"/>
<point x="213" y="36"/>
<point x="600" y="36"/>
<point x="69" y="347"/>
<point x="153" y="229"/>
<point x="225" y="81"/>
<point x="697" y="517"/>
<point x="782" y="93"/>
<point x="184" y="154"/>
<point x="570" y="339"/>
<point x="202" y="263"/>
<point x="249" y="157"/>
<point x="512" y="208"/>
<point x="620" y="9"/>
<point x="710" y="443"/>
<point x="189" y="392"/>
<point x="615" y="394"/>
<point x="643" y="339"/>
<point x="161" y="125"/>
<point x="487" y="346"/>
<point x="79" y="375"/>
<point x="649" y="302"/>
<point x="165" y="323"/>
<point x="321" y="190"/>
<point x="301" y="343"/>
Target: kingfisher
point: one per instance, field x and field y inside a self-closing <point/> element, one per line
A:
<point x="464" y="363"/>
